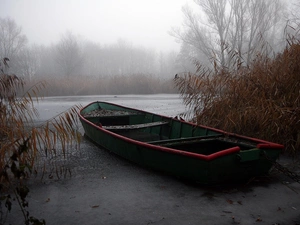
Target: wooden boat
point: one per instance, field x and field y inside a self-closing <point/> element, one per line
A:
<point x="199" y="153"/>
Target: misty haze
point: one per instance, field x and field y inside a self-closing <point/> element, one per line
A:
<point x="118" y="47"/>
<point x="113" y="47"/>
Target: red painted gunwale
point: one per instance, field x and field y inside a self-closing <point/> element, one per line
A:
<point x="261" y="145"/>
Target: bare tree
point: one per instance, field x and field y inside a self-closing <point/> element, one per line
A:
<point x="167" y="64"/>
<point x="69" y="55"/>
<point x="231" y="32"/>
<point x="292" y="28"/>
<point x="12" y="41"/>
<point x="29" y="61"/>
<point x="93" y="63"/>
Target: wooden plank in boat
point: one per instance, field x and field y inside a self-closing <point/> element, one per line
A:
<point x="185" y="140"/>
<point x="109" y="113"/>
<point x="135" y="126"/>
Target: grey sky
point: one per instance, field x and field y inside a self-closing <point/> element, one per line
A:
<point x="140" y="22"/>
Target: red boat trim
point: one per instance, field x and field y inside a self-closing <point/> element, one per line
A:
<point x="269" y="145"/>
<point x="169" y="150"/>
<point x="263" y="144"/>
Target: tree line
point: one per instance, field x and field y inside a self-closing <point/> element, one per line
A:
<point x="216" y="33"/>
<point x="72" y="56"/>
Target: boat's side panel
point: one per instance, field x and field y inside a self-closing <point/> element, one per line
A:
<point x="179" y="165"/>
<point x="90" y="107"/>
<point x="180" y="129"/>
<point x="221" y="169"/>
<point x="234" y="163"/>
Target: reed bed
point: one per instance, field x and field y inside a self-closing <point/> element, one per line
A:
<point x="261" y="101"/>
<point x="114" y="85"/>
<point x="24" y="145"/>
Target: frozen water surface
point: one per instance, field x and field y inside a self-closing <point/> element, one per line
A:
<point x="164" y="104"/>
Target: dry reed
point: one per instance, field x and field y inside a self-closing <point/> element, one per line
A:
<point x="262" y="101"/>
<point x="18" y="130"/>
<point x="114" y="85"/>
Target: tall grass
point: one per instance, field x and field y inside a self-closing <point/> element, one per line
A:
<point x="17" y="114"/>
<point x="23" y="144"/>
<point x="262" y="101"/>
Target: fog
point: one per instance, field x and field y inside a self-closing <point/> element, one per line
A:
<point x="140" y="22"/>
<point x="137" y="46"/>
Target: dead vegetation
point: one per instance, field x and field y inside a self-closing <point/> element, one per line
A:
<point x="113" y="85"/>
<point x="17" y="123"/>
<point x="261" y="101"/>
<point x="23" y="145"/>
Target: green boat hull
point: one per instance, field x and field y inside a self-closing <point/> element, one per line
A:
<point x="185" y="150"/>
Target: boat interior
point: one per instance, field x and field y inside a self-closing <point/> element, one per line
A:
<point x="164" y="131"/>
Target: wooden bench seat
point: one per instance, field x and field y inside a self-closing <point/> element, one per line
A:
<point x="185" y="140"/>
<point x="135" y="126"/>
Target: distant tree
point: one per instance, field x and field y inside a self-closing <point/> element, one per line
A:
<point x="48" y="66"/>
<point x="123" y="58"/>
<point x="29" y="60"/>
<point x="168" y="64"/>
<point x="293" y="22"/>
<point x="69" y="55"/>
<point x="12" y="42"/>
<point x="231" y="32"/>
<point x="93" y="55"/>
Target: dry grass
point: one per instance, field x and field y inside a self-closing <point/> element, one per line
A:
<point x="18" y="134"/>
<point x="22" y="144"/>
<point x="262" y="101"/>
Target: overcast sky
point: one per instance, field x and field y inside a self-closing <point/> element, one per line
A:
<point x="140" y="22"/>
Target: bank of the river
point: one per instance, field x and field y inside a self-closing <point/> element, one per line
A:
<point x="105" y="189"/>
